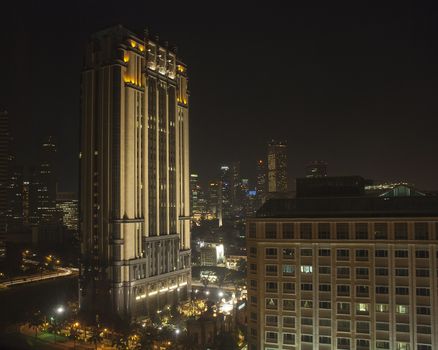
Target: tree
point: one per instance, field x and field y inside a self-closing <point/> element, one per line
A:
<point x="73" y="335"/>
<point x="35" y="321"/>
<point x="95" y="338"/>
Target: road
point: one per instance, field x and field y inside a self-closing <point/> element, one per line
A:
<point x="60" y="272"/>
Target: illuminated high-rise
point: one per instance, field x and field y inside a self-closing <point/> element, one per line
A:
<point x="277" y="167"/>
<point x="134" y="192"/>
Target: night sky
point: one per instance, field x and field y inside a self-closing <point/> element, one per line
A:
<point x="356" y="86"/>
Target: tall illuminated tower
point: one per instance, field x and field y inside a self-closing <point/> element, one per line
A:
<point x="277" y="167"/>
<point x="135" y="193"/>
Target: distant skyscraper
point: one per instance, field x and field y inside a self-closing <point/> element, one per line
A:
<point x="135" y="191"/>
<point x="316" y="168"/>
<point x="277" y="167"/>
<point x="261" y="183"/>
<point x="213" y="199"/>
<point x="197" y="198"/>
<point x="4" y="167"/>
<point x="67" y="206"/>
<point x="225" y="212"/>
<point x="15" y="215"/>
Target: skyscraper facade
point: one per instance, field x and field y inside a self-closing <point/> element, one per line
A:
<point x="344" y="273"/>
<point x="135" y="191"/>
<point x="277" y="167"/>
<point x="260" y="183"/>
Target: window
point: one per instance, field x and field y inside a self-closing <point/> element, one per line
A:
<point x="342" y="254"/>
<point x="325" y="287"/>
<point x="288" y="253"/>
<point x="306" y="269"/>
<point x="306" y="304"/>
<point x="343" y="308"/>
<point x="402" y="290"/>
<point x="253" y="284"/>
<point x="325" y="322"/>
<point x="381" y="253"/>
<point x="401" y="253"/>
<point x="362" y="308"/>
<point x="324" y="270"/>
<point x="362" y="273"/>
<point x="305" y="338"/>
<point x="289" y="321"/>
<point x="288" y="231"/>
<point x="400" y="231"/>
<point x="271" y="320"/>
<point x="402" y="272"/>
<point x="380" y="231"/>
<point x="382" y="344"/>
<point x="382" y="326"/>
<point x="325" y="339"/>
<point x="271" y="337"/>
<point x="288" y="270"/>
<point x="362" y="344"/>
<point x="362" y="291"/>
<point x="253" y="316"/>
<point x="424" y="347"/>
<point x="253" y="299"/>
<point x="422" y="254"/>
<point x="288" y="338"/>
<point x="271" y="253"/>
<point x="423" y="329"/>
<point x="343" y="290"/>
<point x="343" y="343"/>
<point x="361" y="254"/>
<point x="271" y="270"/>
<point x="288" y="287"/>
<point x="253" y="252"/>
<point x="306" y="231"/>
<point x="343" y="326"/>
<point x="270" y="230"/>
<point x="306" y="286"/>
<point x="422" y="272"/>
<point x="342" y="231"/>
<point x="324" y="252"/>
<point x="343" y="272"/>
<point x="323" y="231"/>
<point x="252" y="230"/>
<point x="253" y="332"/>
<point x="361" y="231"/>
<point x="271" y="303"/>
<point x="402" y="346"/>
<point x="325" y="305"/>
<point x="253" y="267"/>
<point x="424" y="292"/>
<point x="289" y="304"/>
<point x="402" y="327"/>
<point x="381" y="271"/>
<point x="421" y="231"/>
<point x="363" y="327"/>
<point x="382" y="307"/>
<point x="271" y="287"/>
<point x="307" y="321"/>
<point x="423" y="310"/>
<point x="306" y="252"/>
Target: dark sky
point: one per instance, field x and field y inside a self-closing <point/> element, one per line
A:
<point x="356" y="86"/>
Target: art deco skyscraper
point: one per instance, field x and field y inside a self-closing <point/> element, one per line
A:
<point x="277" y="167"/>
<point x="135" y="193"/>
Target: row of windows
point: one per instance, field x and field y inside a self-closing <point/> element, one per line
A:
<point x="342" y="254"/>
<point x="342" y="343"/>
<point x="342" y="272"/>
<point x="378" y="231"/>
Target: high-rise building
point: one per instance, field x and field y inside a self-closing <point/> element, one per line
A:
<point x="344" y="273"/>
<point x="48" y="181"/>
<point x="197" y="198"/>
<point x="15" y="213"/>
<point x="277" y="167"/>
<point x="225" y="212"/>
<point x="134" y="191"/>
<point x="4" y="168"/>
<point x="260" y="183"/>
<point x="67" y="205"/>
<point x="213" y="199"/>
<point x="316" y="168"/>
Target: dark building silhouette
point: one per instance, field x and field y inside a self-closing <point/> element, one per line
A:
<point x="316" y="168"/>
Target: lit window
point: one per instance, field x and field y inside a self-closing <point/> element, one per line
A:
<point x="306" y="269"/>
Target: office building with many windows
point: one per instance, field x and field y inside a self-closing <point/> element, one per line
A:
<point x="344" y="273"/>
<point x="134" y="190"/>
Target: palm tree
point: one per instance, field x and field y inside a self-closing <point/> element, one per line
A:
<point x="35" y="321"/>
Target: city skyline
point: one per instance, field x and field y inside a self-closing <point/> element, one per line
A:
<point x="355" y="89"/>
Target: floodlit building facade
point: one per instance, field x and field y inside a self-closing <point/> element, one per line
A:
<point x="344" y="273"/>
<point x="135" y="192"/>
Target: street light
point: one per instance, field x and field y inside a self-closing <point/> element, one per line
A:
<point x="60" y="310"/>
